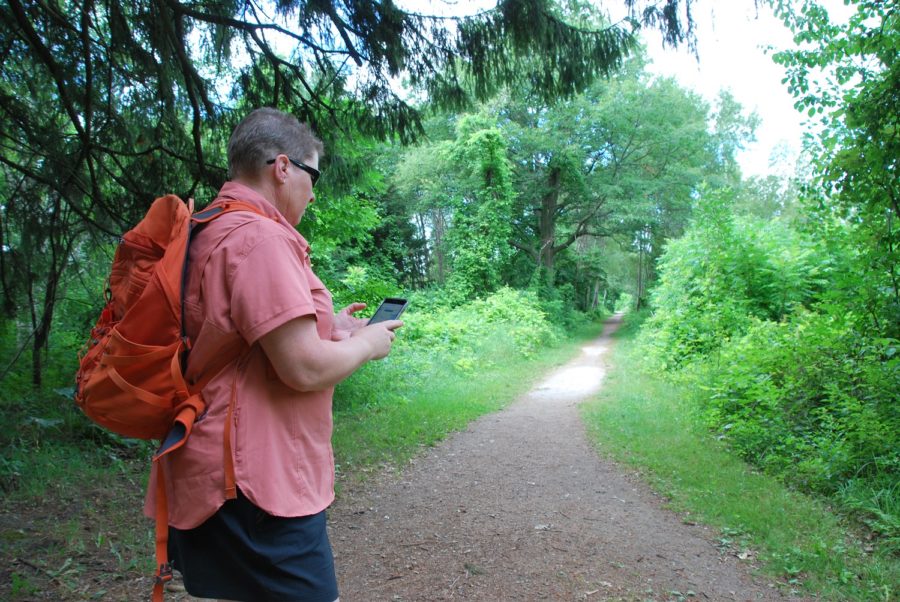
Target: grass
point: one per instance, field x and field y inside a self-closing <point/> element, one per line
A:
<point x="647" y="422"/>
<point x="70" y="516"/>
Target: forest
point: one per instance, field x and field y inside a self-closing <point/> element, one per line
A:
<point x="516" y="173"/>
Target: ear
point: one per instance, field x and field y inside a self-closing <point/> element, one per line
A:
<point x="280" y="169"/>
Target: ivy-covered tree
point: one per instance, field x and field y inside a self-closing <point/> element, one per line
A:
<point x="480" y="230"/>
<point x="622" y="160"/>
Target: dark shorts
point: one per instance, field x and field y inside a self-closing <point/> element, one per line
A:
<point x="243" y="553"/>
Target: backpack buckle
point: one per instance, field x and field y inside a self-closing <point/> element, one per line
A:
<point x="164" y="573"/>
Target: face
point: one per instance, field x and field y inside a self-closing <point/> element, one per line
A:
<point x="296" y="187"/>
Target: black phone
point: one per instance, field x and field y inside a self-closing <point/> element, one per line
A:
<point x="390" y="309"/>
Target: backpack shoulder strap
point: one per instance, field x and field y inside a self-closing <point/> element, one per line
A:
<point x="218" y="209"/>
<point x="198" y="221"/>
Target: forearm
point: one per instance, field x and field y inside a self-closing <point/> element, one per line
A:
<point x="326" y="365"/>
<point x="305" y="362"/>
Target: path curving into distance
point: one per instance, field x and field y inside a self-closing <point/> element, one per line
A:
<point x="520" y="506"/>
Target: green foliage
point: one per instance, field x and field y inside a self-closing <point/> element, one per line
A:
<point x="624" y="303"/>
<point x="340" y="221"/>
<point x="516" y="187"/>
<point x="732" y="131"/>
<point x="621" y="158"/>
<point x="517" y="314"/>
<point x="45" y="434"/>
<point x="813" y="400"/>
<point x="758" y="318"/>
<point x="480" y="231"/>
<point x="364" y="285"/>
<point x="723" y="272"/>
<point x="857" y="156"/>
<point x="104" y="106"/>
<point x="523" y="317"/>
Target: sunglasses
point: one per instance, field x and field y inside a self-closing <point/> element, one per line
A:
<point x="312" y="171"/>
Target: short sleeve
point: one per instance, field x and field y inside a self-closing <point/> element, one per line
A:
<point x="269" y="288"/>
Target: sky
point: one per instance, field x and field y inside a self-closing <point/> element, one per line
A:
<point x="732" y="42"/>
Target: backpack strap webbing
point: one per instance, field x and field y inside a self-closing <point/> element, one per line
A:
<point x="193" y="404"/>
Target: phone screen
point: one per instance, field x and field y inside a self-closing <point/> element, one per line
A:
<point x="390" y="309"/>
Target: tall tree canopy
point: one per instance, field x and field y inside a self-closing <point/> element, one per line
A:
<point x="623" y="160"/>
<point x="95" y="103"/>
<point x="105" y="105"/>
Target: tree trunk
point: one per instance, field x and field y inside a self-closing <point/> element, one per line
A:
<point x="547" y="227"/>
<point x="640" y="274"/>
<point x="421" y="258"/>
<point x="37" y="376"/>
<point x="550" y="266"/>
<point x="438" y="254"/>
<point x="42" y="331"/>
<point x="59" y="242"/>
<point x="36" y="344"/>
<point x="9" y="304"/>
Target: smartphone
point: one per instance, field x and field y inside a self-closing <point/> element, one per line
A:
<point x="390" y="309"/>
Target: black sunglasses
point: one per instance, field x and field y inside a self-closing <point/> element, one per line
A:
<point x="312" y="171"/>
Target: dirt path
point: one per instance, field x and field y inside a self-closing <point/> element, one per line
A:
<point x="520" y="507"/>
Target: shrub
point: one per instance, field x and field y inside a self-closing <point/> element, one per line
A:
<point x="813" y="401"/>
<point x="752" y="315"/>
<point x="722" y="274"/>
<point x="435" y="337"/>
<point x="442" y="328"/>
<point x="363" y="284"/>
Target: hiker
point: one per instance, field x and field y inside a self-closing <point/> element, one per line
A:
<point x="248" y="491"/>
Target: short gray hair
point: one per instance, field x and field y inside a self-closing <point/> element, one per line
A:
<point x="265" y="133"/>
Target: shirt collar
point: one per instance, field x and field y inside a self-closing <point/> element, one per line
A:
<point x="237" y="191"/>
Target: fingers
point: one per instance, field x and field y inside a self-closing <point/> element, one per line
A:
<point x="382" y="336"/>
<point x="353" y="308"/>
<point x="389" y="327"/>
<point x="392" y="325"/>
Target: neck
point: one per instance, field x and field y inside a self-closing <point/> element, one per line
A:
<point x="263" y="188"/>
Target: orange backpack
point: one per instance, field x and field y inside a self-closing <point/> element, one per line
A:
<point x="130" y="378"/>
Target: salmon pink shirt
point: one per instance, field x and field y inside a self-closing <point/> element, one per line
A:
<point x="239" y="289"/>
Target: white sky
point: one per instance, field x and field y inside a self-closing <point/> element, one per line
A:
<point x="732" y="42"/>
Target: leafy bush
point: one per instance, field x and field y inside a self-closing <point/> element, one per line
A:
<point x="519" y="313"/>
<point x="814" y="401"/>
<point x="724" y="272"/>
<point x="363" y="284"/>
<point x="752" y="315"/>
<point x="436" y="336"/>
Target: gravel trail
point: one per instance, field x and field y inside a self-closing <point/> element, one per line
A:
<point x="520" y="507"/>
